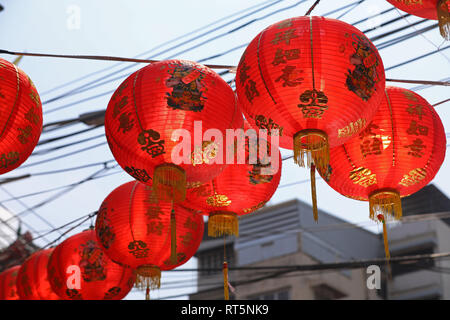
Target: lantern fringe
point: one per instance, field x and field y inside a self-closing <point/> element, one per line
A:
<point x="313" y="193"/>
<point x="385" y="202"/>
<point x="169" y="183"/>
<point x="223" y="223"/>
<point x="148" y="277"/>
<point x="443" y="14"/>
<point x="314" y="145"/>
<point x="225" y="281"/>
<point x="173" y="238"/>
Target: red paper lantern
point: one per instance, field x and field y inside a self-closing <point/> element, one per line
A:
<point x="20" y="119"/>
<point x="396" y="155"/>
<point x="428" y="9"/>
<point x="240" y="189"/>
<point x="153" y="102"/>
<point x="319" y="81"/>
<point x="136" y="231"/>
<point x="8" y="289"/>
<point x="80" y="261"/>
<point x="32" y="281"/>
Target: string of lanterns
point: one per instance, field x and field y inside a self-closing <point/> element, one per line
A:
<point x="315" y="85"/>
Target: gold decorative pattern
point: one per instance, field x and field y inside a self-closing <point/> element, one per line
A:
<point x="187" y="88"/>
<point x="218" y="200"/>
<point x="255" y="207"/>
<point x="263" y="123"/>
<point x="151" y="142"/>
<point x="138" y="249"/>
<point x="206" y="155"/>
<point x="413" y="177"/>
<point x="410" y="2"/>
<point x="8" y="159"/>
<point x="193" y="184"/>
<point x="15" y="101"/>
<point x="313" y="104"/>
<point x="363" y="78"/>
<point x="284" y="36"/>
<point x="363" y="177"/>
<point x="415" y="148"/>
<point x="284" y="24"/>
<point x="352" y="128"/>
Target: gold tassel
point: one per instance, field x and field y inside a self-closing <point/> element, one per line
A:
<point x="225" y="281"/>
<point x="169" y="183"/>
<point x="149" y="278"/>
<point x="147" y="293"/>
<point x="383" y="204"/>
<point x="386" y="245"/>
<point x="443" y="14"/>
<point x="386" y="202"/>
<point x="223" y="223"/>
<point x="173" y="237"/>
<point x="385" y="238"/>
<point x="314" y="145"/>
<point x="313" y="193"/>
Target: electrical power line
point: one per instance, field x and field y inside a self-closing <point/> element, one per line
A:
<point x="265" y="5"/>
<point x="96" y="82"/>
<point x="317" y="267"/>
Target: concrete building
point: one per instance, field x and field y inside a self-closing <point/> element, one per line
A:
<point x="285" y="235"/>
<point x="431" y="280"/>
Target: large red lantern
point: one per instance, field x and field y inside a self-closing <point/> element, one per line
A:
<point x="396" y="155"/>
<point x="148" y="107"/>
<point x="317" y="80"/>
<point x="20" y="119"/>
<point x="136" y="231"/>
<point x="240" y="189"/>
<point x="428" y="9"/>
<point x="78" y="269"/>
<point x="32" y="280"/>
<point x="8" y="289"/>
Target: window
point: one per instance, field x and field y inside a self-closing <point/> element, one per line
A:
<point x="282" y="294"/>
<point x="403" y="268"/>
<point x="213" y="259"/>
<point x="325" y="292"/>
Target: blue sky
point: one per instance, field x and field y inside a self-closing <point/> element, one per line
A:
<point x="129" y="28"/>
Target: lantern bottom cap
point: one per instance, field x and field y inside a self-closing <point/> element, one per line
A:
<point x="313" y="144"/>
<point x="223" y="223"/>
<point x="169" y="183"/>
<point x="443" y="14"/>
<point x="385" y="203"/>
<point x="148" y="276"/>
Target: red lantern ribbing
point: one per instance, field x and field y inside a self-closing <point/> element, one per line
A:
<point x="319" y="81"/>
<point x="240" y="189"/>
<point x="148" y="107"/>
<point x="81" y="262"/>
<point x="136" y="231"/>
<point x="32" y="281"/>
<point x="428" y="9"/>
<point x="20" y="119"/>
<point x="396" y="155"/>
<point x="8" y="289"/>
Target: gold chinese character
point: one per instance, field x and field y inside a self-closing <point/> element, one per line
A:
<point x="363" y="176"/>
